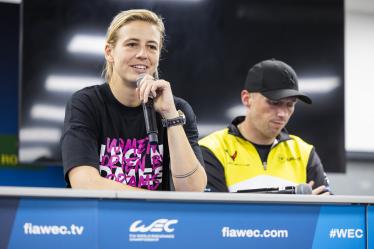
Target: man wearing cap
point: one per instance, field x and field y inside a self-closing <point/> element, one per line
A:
<point x="255" y="150"/>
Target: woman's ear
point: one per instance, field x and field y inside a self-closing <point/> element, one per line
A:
<point x="108" y="53"/>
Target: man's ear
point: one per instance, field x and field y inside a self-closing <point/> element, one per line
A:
<point x="108" y="53"/>
<point x="246" y="98"/>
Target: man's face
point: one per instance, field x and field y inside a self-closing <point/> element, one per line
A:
<point x="269" y="117"/>
<point x="136" y="51"/>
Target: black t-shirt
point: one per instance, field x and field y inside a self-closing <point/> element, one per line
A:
<point x="101" y="132"/>
<point x="263" y="151"/>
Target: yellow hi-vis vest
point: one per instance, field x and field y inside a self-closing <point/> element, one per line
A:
<point x="286" y="163"/>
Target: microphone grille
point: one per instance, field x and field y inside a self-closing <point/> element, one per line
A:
<point x="303" y="189"/>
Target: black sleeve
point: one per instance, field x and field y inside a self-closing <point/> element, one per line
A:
<point x="214" y="171"/>
<point x="79" y="144"/>
<point x="190" y="128"/>
<point x="315" y="171"/>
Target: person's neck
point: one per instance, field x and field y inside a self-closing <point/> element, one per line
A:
<point x="250" y="133"/>
<point x="124" y="92"/>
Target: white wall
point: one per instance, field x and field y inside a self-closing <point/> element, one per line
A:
<point x="359" y="75"/>
<point x="358" y="180"/>
<point x="359" y="92"/>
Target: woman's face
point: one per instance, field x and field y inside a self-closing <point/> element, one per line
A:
<point x="136" y="52"/>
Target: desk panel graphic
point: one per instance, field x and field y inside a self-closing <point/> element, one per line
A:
<point x="130" y="223"/>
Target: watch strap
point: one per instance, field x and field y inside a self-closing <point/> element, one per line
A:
<point x="180" y="120"/>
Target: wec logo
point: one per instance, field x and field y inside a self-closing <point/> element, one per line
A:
<point x="160" y="225"/>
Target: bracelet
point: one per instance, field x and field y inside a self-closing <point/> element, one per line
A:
<point x="188" y="174"/>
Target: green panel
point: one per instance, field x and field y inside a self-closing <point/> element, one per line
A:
<point x="8" y="150"/>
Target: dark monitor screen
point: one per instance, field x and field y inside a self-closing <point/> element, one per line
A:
<point x="210" y="45"/>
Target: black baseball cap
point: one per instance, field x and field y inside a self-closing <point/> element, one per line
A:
<point x="275" y="80"/>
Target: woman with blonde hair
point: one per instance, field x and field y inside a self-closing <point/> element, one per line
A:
<point x="105" y="144"/>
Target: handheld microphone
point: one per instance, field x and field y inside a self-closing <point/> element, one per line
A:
<point x="302" y="189"/>
<point x="149" y="116"/>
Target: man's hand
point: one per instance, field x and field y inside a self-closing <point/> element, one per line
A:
<point x="321" y="190"/>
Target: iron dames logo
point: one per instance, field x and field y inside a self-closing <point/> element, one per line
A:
<point x="158" y="229"/>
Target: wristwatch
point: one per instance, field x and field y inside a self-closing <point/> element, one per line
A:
<point x="180" y="120"/>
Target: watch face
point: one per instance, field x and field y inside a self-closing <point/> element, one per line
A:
<point x="180" y="120"/>
<point x="182" y="117"/>
<point x="181" y="114"/>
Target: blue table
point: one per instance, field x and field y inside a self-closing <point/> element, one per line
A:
<point x="65" y="218"/>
